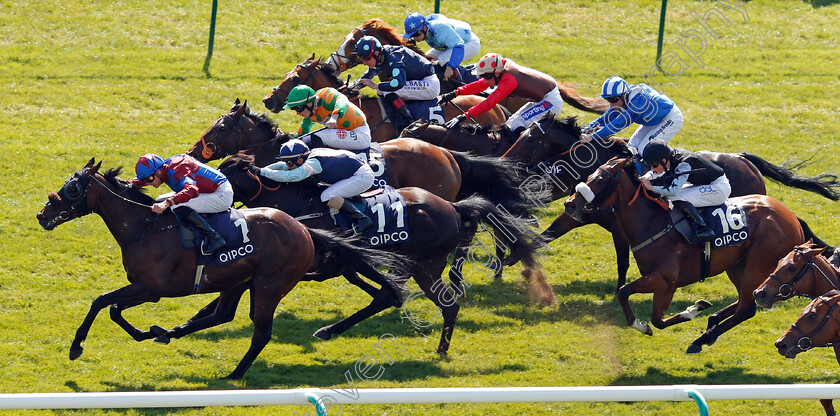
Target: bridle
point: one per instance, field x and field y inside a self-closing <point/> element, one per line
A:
<point x="75" y="192"/>
<point x="786" y="288"/>
<point x="295" y="80"/>
<point x="595" y="204"/>
<point x="349" y="59"/>
<point x="209" y="149"/>
<point x="262" y="186"/>
<point x="804" y="342"/>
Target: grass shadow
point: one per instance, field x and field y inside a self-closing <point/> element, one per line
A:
<point x="821" y="3"/>
<point x="733" y="375"/>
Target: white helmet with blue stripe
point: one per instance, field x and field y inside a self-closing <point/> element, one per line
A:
<point x="614" y="86"/>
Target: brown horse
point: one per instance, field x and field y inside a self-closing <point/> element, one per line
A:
<point x="805" y="271"/>
<point x="436" y="228"/>
<point x="464" y="137"/>
<point x="314" y="73"/>
<point x="157" y="265"/>
<point x="670" y="263"/>
<point x="557" y="161"/>
<point x="344" y="58"/>
<point x="818" y="326"/>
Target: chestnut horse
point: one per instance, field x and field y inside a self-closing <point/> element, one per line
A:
<point x="314" y="73"/>
<point x="344" y="58"/>
<point x="818" y="326"/>
<point x="157" y="265"/>
<point x="805" y="272"/>
<point x="670" y="263"/>
<point x="437" y="227"/>
<point x="556" y="160"/>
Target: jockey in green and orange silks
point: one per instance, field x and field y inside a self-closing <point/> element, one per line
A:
<point x="346" y="125"/>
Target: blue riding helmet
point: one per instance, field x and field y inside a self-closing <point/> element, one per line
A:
<point x="147" y="165"/>
<point x="366" y="46"/>
<point x="614" y="86"/>
<point x="293" y="149"/>
<point x="414" y="23"/>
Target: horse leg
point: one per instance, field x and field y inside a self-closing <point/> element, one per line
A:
<point x="137" y="334"/>
<point x="354" y="279"/>
<point x="828" y="404"/>
<point x="223" y="312"/>
<point x="131" y="294"/>
<point x="456" y="274"/>
<point x="718" y="317"/>
<point x="622" y="257"/>
<point x="427" y="275"/>
<point x="744" y="310"/>
<point x="381" y="300"/>
<point x="650" y="283"/>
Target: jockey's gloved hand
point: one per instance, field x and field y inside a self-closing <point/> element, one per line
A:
<point x="586" y="138"/>
<point x="447" y="97"/>
<point x="253" y="170"/>
<point x="454" y="122"/>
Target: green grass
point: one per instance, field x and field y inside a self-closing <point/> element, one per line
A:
<point x="114" y="80"/>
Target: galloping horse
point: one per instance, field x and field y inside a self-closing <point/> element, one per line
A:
<point x="557" y="160"/>
<point x="818" y="326"/>
<point x="436" y="229"/>
<point x="344" y="58"/>
<point x="803" y="272"/>
<point x="314" y="73"/>
<point x="669" y="263"/>
<point x="157" y="265"/>
<point x="462" y="138"/>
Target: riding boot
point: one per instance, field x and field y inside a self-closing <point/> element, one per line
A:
<point x="704" y="233"/>
<point x="361" y="222"/>
<point x="399" y="104"/>
<point x="212" y="241"/>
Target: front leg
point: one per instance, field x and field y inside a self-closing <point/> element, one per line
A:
<point x="224" y="311"/>
<point x="137" y="334"/>
<point x="131" y="294"/>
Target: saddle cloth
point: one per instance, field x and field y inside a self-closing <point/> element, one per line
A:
<point x="387" y="210"/>
<point x="727" y="221"/>
<point x="425" y="110"/>
<point x="232" y="227"/>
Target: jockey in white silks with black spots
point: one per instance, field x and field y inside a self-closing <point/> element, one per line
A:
<point x="452" y="41"/>
<point x="347" y="175"/>
<point x="657" y="115"/>
<point x="687" y="180"/>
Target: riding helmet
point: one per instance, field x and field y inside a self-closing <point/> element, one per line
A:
<point x="489" y="63"/>
<point x="366" y="46"/>
<point x="147" y="165"/>
<point x="656" y="150"/>
<point x="614" y="86"/>
<point x="293" y="149"/>
<point x="300" y="95"/>
<point x="414" y="23"/>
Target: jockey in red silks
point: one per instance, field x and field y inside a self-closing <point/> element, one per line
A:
<point x="514" y="80"/>
<point x="198" y="188"/>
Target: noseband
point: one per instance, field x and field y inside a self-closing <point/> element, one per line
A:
<point x="804" y="343"/>
<point x="786" y="288"/>
<point x="605" y="193"/>
<point x="305" y="81"/>
<point x="209" y="148"/>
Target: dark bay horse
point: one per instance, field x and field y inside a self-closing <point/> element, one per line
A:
<point x="557" y="161"/>
<point x="157" y="265"/>
<point x="668" y="262"/>
<point x="344" y="58"/>
<point x="818" y="326"/>
<point x="805" y="271"/>
<point x="437" y="227"/>
<point x="464" y="137"/>
<point x="316" y="74"/>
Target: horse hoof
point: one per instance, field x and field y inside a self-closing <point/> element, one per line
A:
<point x="323" y="334"/>
<point x="694" y="349"/>
<point x="162" y="339"/>
<point x="76" y="352"/>
<point x="702" y="304"/>
<point x="158" y="330"/>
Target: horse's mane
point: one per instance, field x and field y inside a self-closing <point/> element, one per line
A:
<point x="261" y="119"/>
<point x="328" y="71"/>
<point x="567" y="124"/>
<point x="126" y="189"/>
<point x="378" y="26"/>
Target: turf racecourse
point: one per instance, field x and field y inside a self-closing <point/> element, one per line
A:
<point x="114" y="80"/>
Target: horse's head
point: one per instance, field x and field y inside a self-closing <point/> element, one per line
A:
<point x="311" y="72"/>
<point x="545" y="140"/>
<point x="345" y="57"/>
<point x="599" y="190"/>
<point x="789" y="277"/>
<point x="235" y="130"/>
<point x="71" y="201"/>
<point x="817" y="326"/>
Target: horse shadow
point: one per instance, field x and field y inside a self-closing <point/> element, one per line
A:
<point x="821" y="3"/>
<point x="733" y="375"/>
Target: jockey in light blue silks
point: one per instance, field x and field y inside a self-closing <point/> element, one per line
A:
<point x="452" y="41"/>
<point x="658" y="116"/>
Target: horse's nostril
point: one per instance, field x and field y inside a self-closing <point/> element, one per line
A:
<point x="759" y="294"/>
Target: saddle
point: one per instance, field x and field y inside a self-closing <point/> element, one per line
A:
<point x="232" y="227"/>
<point x="386" y="208"/>
<point x="726" y="220"/>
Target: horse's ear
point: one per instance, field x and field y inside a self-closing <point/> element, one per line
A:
<point x="240" y="110"/>
<point x="92" y="170"/>
<point x="313" y="56"/>
<point x="90" y="162"/>
<point x="235" y="104"/>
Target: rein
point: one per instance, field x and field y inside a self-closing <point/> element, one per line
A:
<point x="804" y="343"/>
<point x="786" y="288"/>
<point x="256" y="178"/>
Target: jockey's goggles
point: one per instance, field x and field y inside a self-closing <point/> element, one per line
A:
<point x="613" y="99"/>
<point x="488" y="75"/>
<point x="149" y="179"/>
<point x="654" y="164"/>
<point x="298" y="109"/>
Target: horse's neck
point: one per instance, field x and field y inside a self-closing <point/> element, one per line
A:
<point x="295" y="199"/>
<point x="640" y="220"/>
<point x="826" y="277"/>
<point x="126" y="219"/>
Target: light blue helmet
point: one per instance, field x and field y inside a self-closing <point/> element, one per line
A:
<point x="614" y="86"/>
<point x="413" y="24"/>
<point x="147" y="165"/>
<point x="366" y="46"/>
<point x="293" y="149"/>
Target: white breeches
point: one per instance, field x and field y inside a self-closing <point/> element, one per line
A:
<point x="665" y="130"/>
<point x="709" y="195"/>
<point x="218" y="201"/>
<point x="361" y="181"/>
<point x="532" y="112"/>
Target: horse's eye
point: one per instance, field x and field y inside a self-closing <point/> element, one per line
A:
<point x="791" y="268"/>
<point x="223" y="127"/>
<point x="813" y="316"/>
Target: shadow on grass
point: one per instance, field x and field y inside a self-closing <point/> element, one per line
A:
<point x="733" y="375"/>
<point x="821" y="3"/>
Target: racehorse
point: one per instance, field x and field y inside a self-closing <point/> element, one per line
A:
<point x="805" y="271"/>
<point x="817" y="326"/>
<point x="344" y="58"/>
<point x="314" y="73"/>
<point x="157" y="265"/>
<point x="556" y="160"/>
<point x="436" y="228"/>
<point x="464" y="137"/>
<point x="669" y="263"/>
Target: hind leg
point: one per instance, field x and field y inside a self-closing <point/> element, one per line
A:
<point x="382" y="300"/>
<point x="428" y="277"/>
<point x="650" y="283"/>
<point x="223" y="312"/>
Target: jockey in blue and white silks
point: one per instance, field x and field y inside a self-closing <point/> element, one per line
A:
<point x="658" y="116"/>
<point x="453" y="41"/>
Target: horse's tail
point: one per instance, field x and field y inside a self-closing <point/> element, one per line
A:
<point x="364" y="260"/>
<point x="514" y="230"/>
<point x="592" y="105"/>
<point x="494" y="179"/>
<point x="822" y="184"/>
<point x="809" y="235"/>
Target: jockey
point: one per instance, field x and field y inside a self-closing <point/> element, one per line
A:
<point x="346" y="125"/>
<point x="658" y="116"/>
<point x="404" y="74"/>
<point x="510" y="79"/>
<point x="347" y="175"/>
<point x="687" y="180"/>
<point x="198" y="188"/>
<point x="452" y="41"/>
